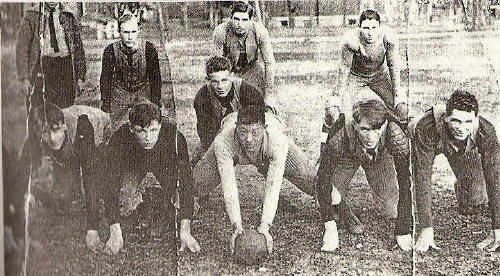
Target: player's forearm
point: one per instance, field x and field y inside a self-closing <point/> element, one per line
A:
<point x="423" y="173"/>
<point x="232" y="202"/>
<point x="491" y="168"/>
<point x="269" y="71"/>
<point x="271" y="199"/>
<point x="341" y="90"/>
<point x="399" y="94"/>
<point x="324" y="186"/>
<point x="404" y="223"/>
<point x="185" y="225"/>
<point x="218" y="42"/>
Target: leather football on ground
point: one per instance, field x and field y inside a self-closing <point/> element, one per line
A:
<point x="250" y="248"/>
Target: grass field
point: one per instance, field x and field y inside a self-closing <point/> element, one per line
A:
<point x="306" y="70"/>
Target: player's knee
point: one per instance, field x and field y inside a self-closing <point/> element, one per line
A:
<point x="388" y="211"/>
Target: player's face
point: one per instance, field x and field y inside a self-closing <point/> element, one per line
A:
<point x="370" y="30"/>
<point x="51" y="5"/>
<point x="221" y="82"/>
<point x="147" y="136"/>
<point x="369" y="135"/>
<point x="53" y="136"/>
<point x="129" y="32"/>
<point x="460" y="124"/>
<point x="250" y="136"/>
<point x="240" y="22"/>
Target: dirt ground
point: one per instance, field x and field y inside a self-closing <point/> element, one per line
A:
<point x="306" y="71"/>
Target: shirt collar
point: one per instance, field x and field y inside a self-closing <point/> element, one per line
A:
<point x="357" y="147"/>
<point x="450" y="147"/>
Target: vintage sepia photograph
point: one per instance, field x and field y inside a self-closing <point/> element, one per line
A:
<point x="257" y="137"/>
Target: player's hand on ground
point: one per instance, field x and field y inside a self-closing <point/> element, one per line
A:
<point x="235" y="234"/>
<point x="187" y="240"/>
<point x="332" y="110"/>
<point x="264" y="230"/>
<point x="9" y="241"/>
<point x="92" y="240"/>
<point x="330" y="237"/>
<point x="426" y="240"/>
<point x="25" y="87"/>
<point x="405" y="242"/>
<point x="115" y="242"/>
<point x="492" y="242"/>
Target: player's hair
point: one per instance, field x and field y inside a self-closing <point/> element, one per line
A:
<point x="462" y="100"/>
<point x="47" y="114"/>
<point x="44" y="115"/>
<point x="143" y="113"/>
<point x="241" y="6"/>
<point x="369" y="15"/>
<point x="374" y="111"/>
<point x="126" y="18"/>
<point x="252" y="114"/>
<point x="217" y="64"/>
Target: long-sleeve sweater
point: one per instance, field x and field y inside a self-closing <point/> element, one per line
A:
<point x="110" y="71"/>
<point x="431" y="138"/>
<point x="170" y="166"/>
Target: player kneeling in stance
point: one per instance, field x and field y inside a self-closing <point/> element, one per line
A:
<point x="254" y="137"/>
<point x="385" y="158"/>
<point x="144" y="145"/>
<point x="68" y="137"/>
<point x="471" y="146"/>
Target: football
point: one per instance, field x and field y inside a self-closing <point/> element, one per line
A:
<point x="250" y="248"/>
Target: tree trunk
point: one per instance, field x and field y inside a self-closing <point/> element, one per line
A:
<point x="162" y="21"/>
<point x="291" y="16"/>
<point x="185" y="18"/>
<point x="344" y="12"/>
<point x="211" y="16"/>
<point x="265" y="14"/>
<point x="317" y="12"/>
<point x="428" y="14"/>
<point x="389" y="10"/>
<point x="257" y="11"/>
<point x="412" y="10"/>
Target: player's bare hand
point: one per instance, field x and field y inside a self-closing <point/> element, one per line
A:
<point x="264" y="230"/>
<point x="92" y="240"/>
<point x="426" y="240"/>
<point x="330" y="237"/>
<point x="115" y="242"/>
<point x="235" y="234"/>
<point x="492" y="242"/>
<point x="405" y="242"/>
<point x="25" y="87"/>
<point x="187" y="240"/>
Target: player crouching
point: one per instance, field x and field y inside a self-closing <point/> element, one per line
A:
<point x="385" y="158"/>
<point x="146" y="145"/>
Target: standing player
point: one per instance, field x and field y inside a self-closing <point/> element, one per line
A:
<point x="130" y="71"/>
<point x="60" y="58"/>
<point x="369" y="58"/>
<point x="223" y="94"/>
<point x="243" y="40"/>
<point x="471" y="146"/>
